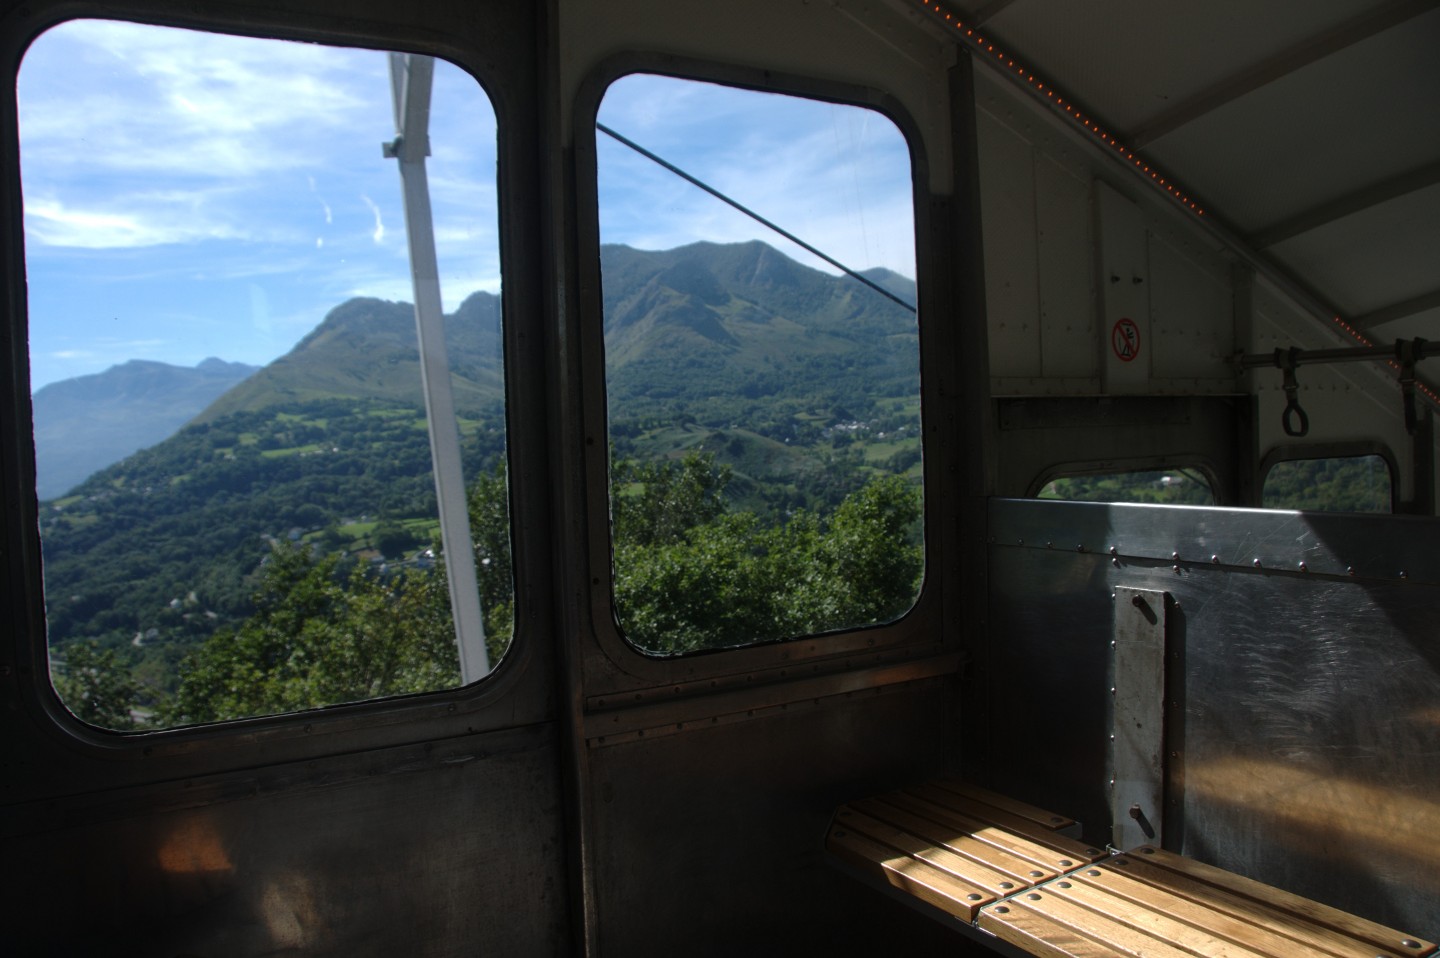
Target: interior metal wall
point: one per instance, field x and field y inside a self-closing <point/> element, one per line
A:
<point x="709" y="841"/>
<point x="449" y="848"/>
<point x="1300" y="720"/>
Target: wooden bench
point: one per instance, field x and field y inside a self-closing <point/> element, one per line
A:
<point x="1009" y="872"/>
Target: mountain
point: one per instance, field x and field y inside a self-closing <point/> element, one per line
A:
<point x="741" y="333"/>
<point x="801" y="383"/>
<point x="87" y="423"/>
<point x="368" y="349"/>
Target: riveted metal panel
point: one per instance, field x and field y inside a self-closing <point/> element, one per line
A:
<point x="1007" y="209"/>
<point x="1299" y="703"/>
<point x="1192" y="318"/>
<point x="1063" y="227"/>
<point x="1125" y="342"/>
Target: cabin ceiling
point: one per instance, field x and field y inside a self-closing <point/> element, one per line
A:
<point x="1309" y="128"/>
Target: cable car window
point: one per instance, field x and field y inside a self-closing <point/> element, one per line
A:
<point x="1174" y="487"/>
<point x="762" y="364"/>
<point x="240" y="512"/>
<point x="1338" y="484"/>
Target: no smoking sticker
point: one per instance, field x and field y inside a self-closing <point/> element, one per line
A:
<point x="1125" y="339"/>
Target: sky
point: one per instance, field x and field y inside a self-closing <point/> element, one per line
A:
<point x="190" y="195"/>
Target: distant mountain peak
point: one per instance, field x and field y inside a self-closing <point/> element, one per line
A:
<point x="87" y="423"/>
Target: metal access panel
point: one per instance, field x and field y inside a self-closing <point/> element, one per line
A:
<point x="1137" y="739"/>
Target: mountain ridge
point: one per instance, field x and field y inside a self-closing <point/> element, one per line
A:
<point x="89" y="422"/>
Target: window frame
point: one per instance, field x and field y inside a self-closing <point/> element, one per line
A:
<point x="504" y="71"/>
<point x="611" y="662"/>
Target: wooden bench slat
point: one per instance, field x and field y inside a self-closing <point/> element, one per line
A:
<point x="1021" y="872"/>
<point x="990" y="834"/>
<point x="913" y="876"/>
<point x="1043" y="936"/>
<point x="1121" y="934"/>
<point x="1000" y="867"/>
<point x="1189" y="877"/>
<point x="1270" y="933"/>
<point x="959" y="804"/>
<point x="1045" y="819"/>
<point x="941" y="854"/>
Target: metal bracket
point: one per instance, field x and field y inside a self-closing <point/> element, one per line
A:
<point x="1137" y="742"/>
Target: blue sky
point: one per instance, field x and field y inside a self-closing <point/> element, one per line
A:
<point x="191" y="195"/>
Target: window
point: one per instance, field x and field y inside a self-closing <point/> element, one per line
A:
<point x="1174" y="487"/>
<point x="1336" y="484"/>
<point x="764" y="403"/>
<point x="238" y="506"/>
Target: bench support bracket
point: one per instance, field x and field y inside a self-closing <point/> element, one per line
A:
<point x="1137" y="740"/>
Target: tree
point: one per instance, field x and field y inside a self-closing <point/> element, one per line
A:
<point x="732" y="580"/>
<point x="393" y="539"/>
<point x="96" y="686"/>
<point x="321" y="636"/>
<point x="657" y="502"/>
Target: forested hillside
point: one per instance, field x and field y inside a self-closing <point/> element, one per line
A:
<point x="304" y="495"/>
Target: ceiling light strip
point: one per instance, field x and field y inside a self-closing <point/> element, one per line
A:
<point x="1067" y="108"/>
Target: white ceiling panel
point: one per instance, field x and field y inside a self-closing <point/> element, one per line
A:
<point x="1349" y="121"/>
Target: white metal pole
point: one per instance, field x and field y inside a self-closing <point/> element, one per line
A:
<point x="410" y="82"/>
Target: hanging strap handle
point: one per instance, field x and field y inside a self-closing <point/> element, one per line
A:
<point x="1293" y="420"/>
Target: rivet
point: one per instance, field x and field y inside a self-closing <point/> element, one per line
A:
<point x="1033" y="897"/>
<point x="1007" y="885"/>
<point x="1056" y="819"/>
<point x="1114" y="551"/>
<point x="1122" y="861"/>
<point x="1404" y="576"/>
<point x="1349" y="570"/>
<point x="1136" y="601"/>
<point x="972" y="897"/>
<point x="1115" y="563"/>
<point x="1035" y="874"/>
<point x="1174" y="555"/>
<point x="1214" y="560"/>
<point x="1175" y="569"/>
<point x="1063" y="884"/>
<point x="1065" y="863"/>
<point x="1147" y="850"/>
<point x="1080" y="547"/>
<point x="1002" y="910"/>
<point x="1049" y="545"/>
<point x="1304" y="567"/>
<point x="1410" y="943"/>
<point x="1094" y="873"/>
<point x="1256" y="563"/>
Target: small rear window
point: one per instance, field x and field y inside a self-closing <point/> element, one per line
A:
<point x="1336" y="484"/>
<point x="1174" y="487"/>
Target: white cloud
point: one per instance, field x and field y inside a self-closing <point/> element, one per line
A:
<point x="52" y="223"/>
<point x="379" y="233"/>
